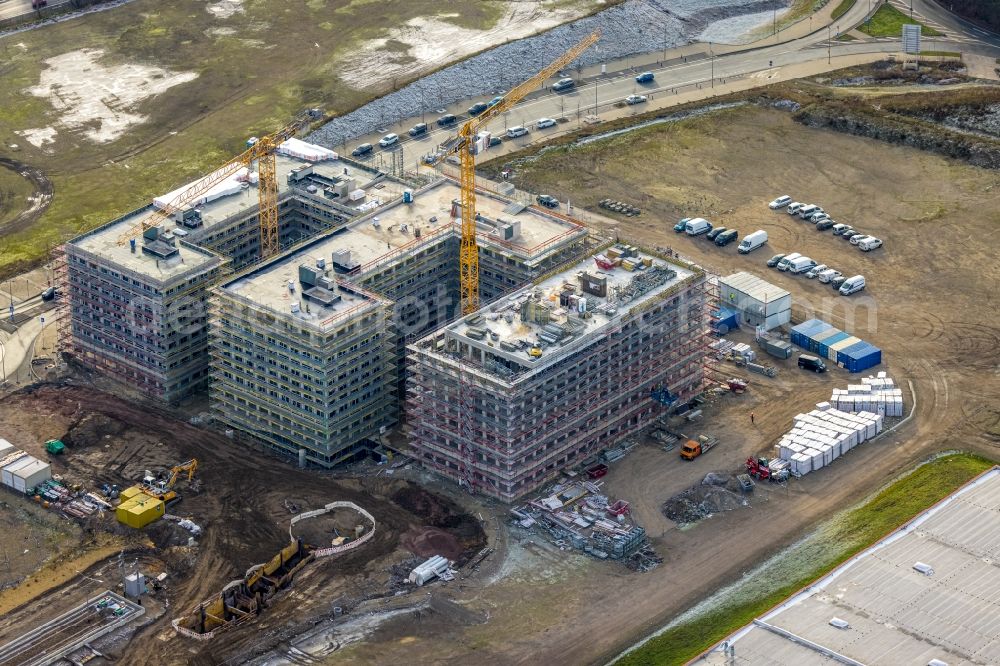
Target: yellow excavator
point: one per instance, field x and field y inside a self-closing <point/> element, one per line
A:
<point x="164" y="489"/>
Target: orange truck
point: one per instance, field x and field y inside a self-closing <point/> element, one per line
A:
<point x="695" y="447"/>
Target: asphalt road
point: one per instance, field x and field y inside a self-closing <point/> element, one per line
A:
<point x="715" y="69"/>
<point x="14" y="8"/>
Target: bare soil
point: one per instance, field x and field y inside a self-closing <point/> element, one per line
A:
<point x="238" y="499"/>
<point x="932" y="292"/>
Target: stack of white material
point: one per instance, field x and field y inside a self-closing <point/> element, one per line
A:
<point x="744" y="350"/>
<point x="878" y="395"/>
<point x="305" y="151"/>
<point x="823" y="435"/>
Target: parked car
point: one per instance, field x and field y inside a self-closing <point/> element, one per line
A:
<point x="547" y="201"/>
<point x="726" y="237"/>
<point x="418" y="129"/>
<point x="563" y="84"/>
<point x="645" y="77"/>
<point x="388" y="140"/>
<point x="495" y="141"/>
<point x="850" y="233"/>
<point x="852" y="285"/>
<point x="697" y="226"/>
<point x="841" y="228"/>
<point x="823" y="225"/>
<point x="714" y="232"/>
<point x="635" y="99"/>
<point x="786" y="260"/>
<point x="496" y="100"/>
<point x="478" y="108"/>
<point x="682" y="225"/>
<point x="447" y="119"/>
<point x="829" y="275"/>
<point x="816" y="270"/>
<point x="809" y="209"/>
<point x="793" y="208"/>
<point x="773" y="261"/>
<point x="516" y="131"/>
<point x="816" y="217"/>
<point x="780" y="202"/>
<point x="810" y="362"/>
<point x="49" y="294"/>
<point x="856" y="238"/>
<point x="869" y="244"/>
<point x="837" y="281"/>
<point x="363" y="149"/>
<point x="752" y="241"/>
<point x="800" y="265"/>
<point x="546" y="122"/>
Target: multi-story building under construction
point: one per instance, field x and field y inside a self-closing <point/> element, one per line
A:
<point x="504" y="399"/>
<point x="306" y="350"/>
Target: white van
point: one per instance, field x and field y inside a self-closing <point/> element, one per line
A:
<point x="852" y="285"/>
<point x="794" y="207"/>
<point x="828" y="275"/>
<point x="517" y="131"/>
<point x="787" y="259"/>
<point x="697" y="226"/>
<point x="806" y="211"/>
<point x="801" y="265"/>
<point x="752" y="241"/>
<point x="869" y="243"/>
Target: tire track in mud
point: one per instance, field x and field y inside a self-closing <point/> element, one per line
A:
<point x="39" y="199"/>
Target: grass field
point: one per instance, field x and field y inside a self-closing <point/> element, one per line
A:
<point x="255" y="69"/>
<point x="845" y="535"/>
<point x="842" y="8"/>
<point x="888" y="22"/>
<point x="14" y="191"/>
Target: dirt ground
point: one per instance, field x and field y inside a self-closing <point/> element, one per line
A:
<point x="239" y="500"/>
<point x="931" y="307"/>
<point x="932" y="292"/>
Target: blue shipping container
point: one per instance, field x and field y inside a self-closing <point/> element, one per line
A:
<point x="824" y="346"/>
<point x="728" y="320"/>
<point x="860" y="357"/>
<point x="803" y="333"/>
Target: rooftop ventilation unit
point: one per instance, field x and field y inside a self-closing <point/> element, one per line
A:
<point x="322" y="296"/>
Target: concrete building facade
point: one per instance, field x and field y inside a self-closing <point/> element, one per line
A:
<point x="502" y="400"/>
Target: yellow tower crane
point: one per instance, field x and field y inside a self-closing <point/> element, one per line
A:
<point x="261" y="151"/>
<point x="465" y="145"/>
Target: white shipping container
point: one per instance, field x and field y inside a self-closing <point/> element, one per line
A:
<point x="7" y="475"/>
<point x="31" y="475"/>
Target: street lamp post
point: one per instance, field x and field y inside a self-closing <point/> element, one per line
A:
<point x="829" y="45"/>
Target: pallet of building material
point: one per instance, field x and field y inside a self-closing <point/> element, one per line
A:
<point x="766" y="370"/>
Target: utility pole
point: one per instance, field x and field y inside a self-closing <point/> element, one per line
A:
<point x="712" y="58"/>
<point x="665" y="42"/>
<point x="829" y="45"/>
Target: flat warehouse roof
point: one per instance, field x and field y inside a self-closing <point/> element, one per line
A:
<point x="753" y="286"/>
<point x="895" y="613"/>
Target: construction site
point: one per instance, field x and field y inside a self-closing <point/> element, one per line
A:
<point x="501" y="388"/>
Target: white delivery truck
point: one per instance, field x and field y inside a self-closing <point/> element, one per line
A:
<point x="801" y="265"/>
<point x="697" y="226"/>
<point x="852" y="285"/>
<point x="787" y="259"/>
<point x="752" y="241"/>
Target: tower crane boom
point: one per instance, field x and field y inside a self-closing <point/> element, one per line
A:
<point x="464" y="145"/>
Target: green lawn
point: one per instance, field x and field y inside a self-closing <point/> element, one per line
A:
<point x="888" y="22"/>
<point x="256" y="69"/>
<point x="848" y="533"/>
<point x="842" y="8"/>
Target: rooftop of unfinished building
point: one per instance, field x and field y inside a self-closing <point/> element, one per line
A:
<point x="103" y="243"/>
<point x="541" y="323"/>
<point x="231" y="197"/>
<point x="277" y="287"/>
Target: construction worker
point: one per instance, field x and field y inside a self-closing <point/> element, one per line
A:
<point x="752" y="416"/>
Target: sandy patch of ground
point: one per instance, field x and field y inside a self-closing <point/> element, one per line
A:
<point x="220" y="32"/>
<point x="431" y="42"/>
<point x="39" y="136"/>
<point x="225" y="8"/>
<point x="97" y="98"/>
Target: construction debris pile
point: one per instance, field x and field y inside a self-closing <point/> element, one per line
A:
<point x="823" y="435"/>
<point x="576" y="514"/>
<point x="715" y="494"/>
<point x="878" y="395"/>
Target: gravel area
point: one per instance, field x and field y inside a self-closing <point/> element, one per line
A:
<point x="634" y="27"/>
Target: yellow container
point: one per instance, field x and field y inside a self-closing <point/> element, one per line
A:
<point x="139" y="511"/>
<point x="129" y="493"/>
